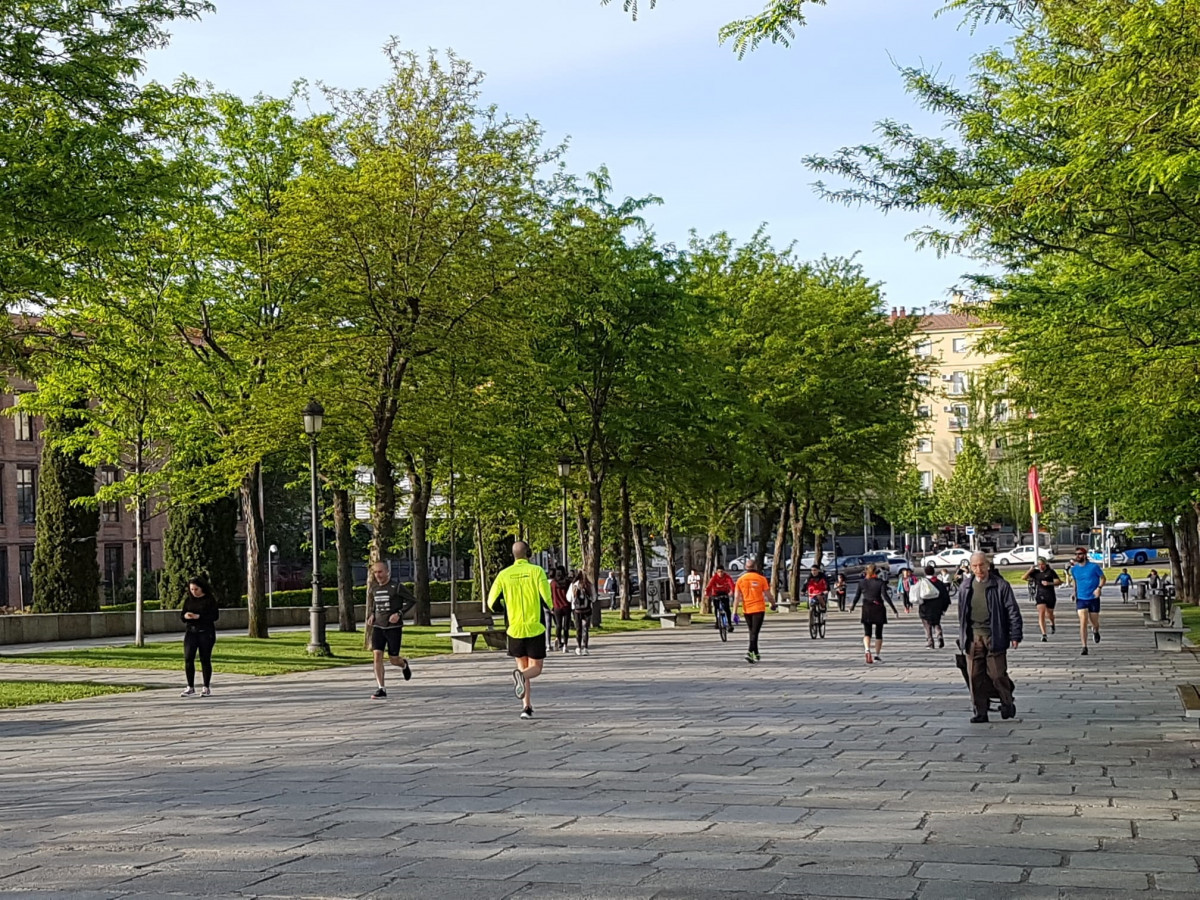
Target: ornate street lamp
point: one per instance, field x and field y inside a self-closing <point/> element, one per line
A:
<point x="314" y="418"/>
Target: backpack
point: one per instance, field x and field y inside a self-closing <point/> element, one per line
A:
<point x="926" y="590"/>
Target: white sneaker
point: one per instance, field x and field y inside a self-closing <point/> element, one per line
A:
<point x="187" y="692"/>
<point x="579" y="651"/>
<point x="205" y="692"/>
<point x="585" y="651"/>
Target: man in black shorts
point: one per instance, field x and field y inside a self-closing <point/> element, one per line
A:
<point x="387" y="602"/>
<point x="525" y="591"/>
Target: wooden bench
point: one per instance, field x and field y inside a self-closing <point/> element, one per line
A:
<point x="1189" y="696"/>
<point x="670" y="614"/>
<point x="463" y="641"/>
<point x="1170" y="637"/>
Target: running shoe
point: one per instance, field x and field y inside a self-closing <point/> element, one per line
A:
<point x="1053" y="630"/>
<point x="1096" y="636"/>
<point x="751" y="658"/>
<point x="380" y="694"/>
<point x="1083" y="652"/>
<point x="187" y="692"/>
<point x="878" y="658"/>
<point x="527" y="712"/>
<point x="205" y="692"/>
<point x="518" y="684"/>
<point x="579" y="651"/>
<point x="869" y="660"/>
<point x="585" y="651"/>
<point x="1044" y="639"/>
<point x="941" y="643"/>
<point x="406" y="671"/>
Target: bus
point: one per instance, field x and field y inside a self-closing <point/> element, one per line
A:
<point x="1130" y="543"/>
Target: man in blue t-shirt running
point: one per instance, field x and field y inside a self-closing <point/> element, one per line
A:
<point x="1087" y="578"/>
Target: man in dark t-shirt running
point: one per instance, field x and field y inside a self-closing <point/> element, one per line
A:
<point x="387" y="602"/>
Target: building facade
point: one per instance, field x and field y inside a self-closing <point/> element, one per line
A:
<point x="947" y="343"/>
<point x="20" y="461"/>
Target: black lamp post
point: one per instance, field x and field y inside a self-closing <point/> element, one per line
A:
<point x="564" y="470"/>
<point x="314" y="418"/>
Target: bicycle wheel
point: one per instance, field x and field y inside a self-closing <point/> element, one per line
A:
<point x="723" y="624"/>
<point x="821" y="627"/>
<point x="812" y="625"/>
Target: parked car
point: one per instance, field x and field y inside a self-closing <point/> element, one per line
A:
<point x="896" y="562"/>
<point x="738" y="566"/>
<point x="950" y="558"/>
<point x="827" y="558"/>
<point x="1023" y="554"/>
<point x="853" y="567"/>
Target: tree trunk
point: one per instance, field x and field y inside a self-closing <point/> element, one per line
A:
<point x="689" y="554"/>
<point x="139" y="535"/>
<point x="596" y="547"/>
<point x="710" y="566"/>
<point x="626" y="542"/>
<point x="383" y="511"/>
<point x="799" y="518"/>
<point x="639" y="555"/>
<point x="1191" y="562"/>
<point x="418" y="510"/>
<point x="669" y="540"/>
<point x="766" y="525"/>
<point x="1184" y="545"/>
<point x="256" y="595"/>
<point x="585" y="548"/>
<point x="481" y="571"/>
<point x="780" y="540"/>
<point x="345" y="574"/>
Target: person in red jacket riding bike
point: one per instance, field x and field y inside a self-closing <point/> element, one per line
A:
<point x="719" y="590"/>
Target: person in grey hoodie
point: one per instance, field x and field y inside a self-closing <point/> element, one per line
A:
<point x="989" y="623"/>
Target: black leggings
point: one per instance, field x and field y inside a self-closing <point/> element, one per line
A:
<point x="562" y="626"/>
<point x="754" y="622"/>
<point x="202" y="641"/>
<point x="878" y="626"/>
<point x="583" y="625"/>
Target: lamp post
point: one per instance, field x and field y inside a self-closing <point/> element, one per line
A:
<point x="271" y="551"/>
<point x="564" y="471"/>
<point x="314" y="418"/>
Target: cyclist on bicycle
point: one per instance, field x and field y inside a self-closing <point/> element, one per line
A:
<point x="816" y="586"/>
<point x="719" y="590"/>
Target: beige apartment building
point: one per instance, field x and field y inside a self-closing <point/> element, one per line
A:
<point x="947" y="344"/>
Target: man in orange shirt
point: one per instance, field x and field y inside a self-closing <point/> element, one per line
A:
<point x="752" y="594"/>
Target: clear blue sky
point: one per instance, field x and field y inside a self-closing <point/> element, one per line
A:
<point x="659" y="101"/>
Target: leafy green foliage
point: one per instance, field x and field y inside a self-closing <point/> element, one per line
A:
<point x="200" y="541"/>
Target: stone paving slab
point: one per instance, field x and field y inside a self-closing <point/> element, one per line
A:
<point x="660" y="766"/>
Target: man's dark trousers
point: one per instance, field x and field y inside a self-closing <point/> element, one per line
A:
<point x="982" y="659"/>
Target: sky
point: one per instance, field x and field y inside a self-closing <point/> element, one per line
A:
<point x="658" y="101"/>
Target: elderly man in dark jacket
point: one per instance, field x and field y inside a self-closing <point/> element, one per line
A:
<point x="989" y="622"/>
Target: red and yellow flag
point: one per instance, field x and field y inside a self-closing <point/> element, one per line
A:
<point x="1035" y="492"/>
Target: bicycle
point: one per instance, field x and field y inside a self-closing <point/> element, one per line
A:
<point x="817" y="608"/>
<point x="722" y="615"/>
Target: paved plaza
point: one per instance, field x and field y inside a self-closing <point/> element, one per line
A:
<point x="662" y="766"/>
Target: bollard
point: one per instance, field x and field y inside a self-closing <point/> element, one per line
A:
<point x="1156" y="607"/>
<point x="1141" y="591"/>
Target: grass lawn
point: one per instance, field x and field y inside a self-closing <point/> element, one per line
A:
<point x="279" y="654"/>
<point x="1191" y="621"/>
<point x="28" y="693"/>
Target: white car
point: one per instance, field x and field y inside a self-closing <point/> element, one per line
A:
<point x="950" y="558"/>
<point x="1023" y="554"/>
<point x="896" y="562"/>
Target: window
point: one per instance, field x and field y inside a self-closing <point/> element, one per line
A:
<point x="114" y="568"/>
<point x="2" y="499"/>
<point x="924" y="445"/>
<point x="923" y="380"/>
<point x="925" y="412"/>
<point x="960" y="345"/>
<point x="960" y="419"/>
<point x="958" y="445"/>
<point x="26" y="494"/>
<point x="1001" y="412"/>
<point x="23" y="426"/>
<point x="145" y="556"/>
<point x="927" y="482"/>
<point x="925" y="349"/>
<point x="110" y="510"/>
<point x="958" y="383"/>
<point x="3" y="576"/>
<point x="25" y="567"/>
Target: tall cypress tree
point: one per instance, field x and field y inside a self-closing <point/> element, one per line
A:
<point x="200" y="540"/>
<point x="66" y="572"/>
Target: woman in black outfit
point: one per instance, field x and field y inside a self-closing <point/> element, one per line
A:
<point x="874" y="592"/>
<point x="199" y="614"/>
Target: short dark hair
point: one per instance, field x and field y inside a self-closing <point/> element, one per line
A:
<point x="930" y="570"/>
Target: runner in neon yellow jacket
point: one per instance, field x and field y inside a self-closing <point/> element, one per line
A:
<point x="525" y="590"/>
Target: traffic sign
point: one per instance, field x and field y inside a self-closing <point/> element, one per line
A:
<point x="970" y="531"/>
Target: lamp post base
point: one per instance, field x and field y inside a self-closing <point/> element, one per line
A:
<point x="317" y="644"/>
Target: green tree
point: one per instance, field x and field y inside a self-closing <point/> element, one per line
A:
<point x="66" y="574"/>
<point x="200" y="541"/>
<point x="970" y="496"/>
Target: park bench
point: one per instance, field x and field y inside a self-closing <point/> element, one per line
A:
<point x="1170" y="637"/>
<point x="1189" y="696"/>
<point x="671" y="615"/>
<point x="463" y="641"/>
